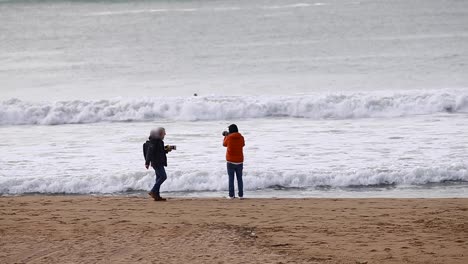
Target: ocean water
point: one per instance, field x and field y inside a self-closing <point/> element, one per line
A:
<point x="335" y="98"/>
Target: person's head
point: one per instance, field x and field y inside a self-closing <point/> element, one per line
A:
<point x="233" y="129"/>
<point x="158" y="133"/>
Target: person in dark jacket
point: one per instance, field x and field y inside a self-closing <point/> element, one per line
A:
<point x="155" y="155"/>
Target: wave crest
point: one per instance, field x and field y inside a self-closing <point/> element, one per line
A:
<point x="335" y="106"/>
<point x="215" y="180"/>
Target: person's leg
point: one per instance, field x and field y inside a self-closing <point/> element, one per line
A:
<point x="162" y="172"/>
<point x="160" y="178"/>
<point x="156" y="183"/>
<point x="230" y="171"/>
<point x="240" y="182"/>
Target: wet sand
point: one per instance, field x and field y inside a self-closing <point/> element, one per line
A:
<point x="87" y="229"/>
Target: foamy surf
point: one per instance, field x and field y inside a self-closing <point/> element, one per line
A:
<point x="330" y="106"/>
<point x="215" y="180"/>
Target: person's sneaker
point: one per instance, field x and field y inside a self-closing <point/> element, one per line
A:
<point x="241" y="198"/>
<point x="231" y="198"/>
<point x="153" y="195"/>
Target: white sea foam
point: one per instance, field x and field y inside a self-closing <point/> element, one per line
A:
<point x="140" y="11"/>
<point x="298" y="5"/>
<point x="333" y="106"/>
<point x="216" y="180"/>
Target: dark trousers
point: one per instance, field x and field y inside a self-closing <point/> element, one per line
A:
<point x="235" y="169"/>
<point x="160" y="178"/>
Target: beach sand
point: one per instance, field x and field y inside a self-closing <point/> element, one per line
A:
<point x="88" y="229"/>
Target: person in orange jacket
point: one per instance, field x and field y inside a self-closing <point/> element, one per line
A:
<point x="234" y="142"/>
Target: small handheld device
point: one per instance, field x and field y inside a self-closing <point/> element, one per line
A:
<point x="225" y="133"/>
<point x="170" y="147"/>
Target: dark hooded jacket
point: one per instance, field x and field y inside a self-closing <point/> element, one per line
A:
<point x="154" y="152"/>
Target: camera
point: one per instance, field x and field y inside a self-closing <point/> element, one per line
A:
<point x="170" y="147"/>
<point x="225" y="133"/>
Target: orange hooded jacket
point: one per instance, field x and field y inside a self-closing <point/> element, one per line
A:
<point x="235" y="144"/>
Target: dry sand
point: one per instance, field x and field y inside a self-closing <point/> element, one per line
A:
<point x="85" y="229"/>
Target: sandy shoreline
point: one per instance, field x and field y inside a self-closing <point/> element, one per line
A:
<point x="85" y="229"/>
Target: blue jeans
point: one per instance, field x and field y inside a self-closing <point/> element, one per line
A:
<point x="235" y="169"/>
<point x="160" y="178"/>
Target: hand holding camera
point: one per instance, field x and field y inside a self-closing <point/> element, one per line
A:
<point x="225" y="133"/>
<point x="169" y="148"/>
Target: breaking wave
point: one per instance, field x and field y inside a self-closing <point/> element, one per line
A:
<point x="320" y="106"/>
<point x="215" y="180"/>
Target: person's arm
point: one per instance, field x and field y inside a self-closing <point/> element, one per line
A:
<point x="225" y="141"/>
<point x="163" y="148"/>
<point x="148" y="156"/>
